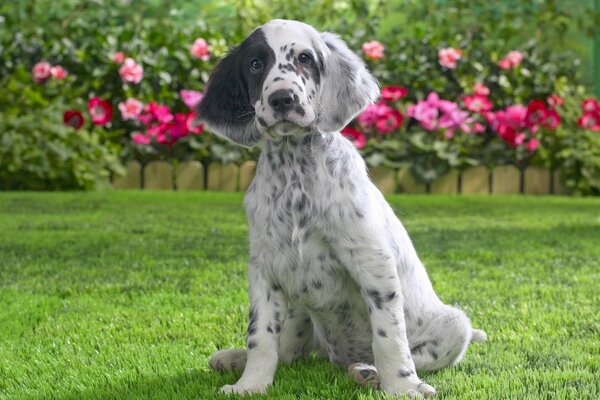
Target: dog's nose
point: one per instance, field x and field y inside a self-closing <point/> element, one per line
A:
<point x="282" y="100"/>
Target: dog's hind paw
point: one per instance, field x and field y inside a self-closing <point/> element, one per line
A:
<point x="228" y="360"/>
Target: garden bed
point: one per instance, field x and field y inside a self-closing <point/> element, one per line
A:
<point x="193" y="175"/>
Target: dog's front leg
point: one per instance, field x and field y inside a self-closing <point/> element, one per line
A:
<point x="268" y="309"/>
<point x="373" y="267"/>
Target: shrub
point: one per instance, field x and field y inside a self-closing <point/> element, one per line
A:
<point x="474" y="93"/>
<point x="38" y="151"/>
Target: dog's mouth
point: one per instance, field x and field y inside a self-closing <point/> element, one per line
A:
<point x="286" y="127"/>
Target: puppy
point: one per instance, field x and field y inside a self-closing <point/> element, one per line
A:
<point x="331" y="270"/>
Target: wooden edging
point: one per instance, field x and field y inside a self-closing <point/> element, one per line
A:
<point x="193" y="175"/>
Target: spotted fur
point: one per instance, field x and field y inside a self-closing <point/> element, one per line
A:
<point x="331" y="267"/>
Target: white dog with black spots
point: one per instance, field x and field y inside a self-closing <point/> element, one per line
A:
<point x="331" y="270"/>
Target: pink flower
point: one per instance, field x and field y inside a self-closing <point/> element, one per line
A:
<point x="515" y="57"/>
<point x="456" y="119"/>
<point x="448" y="57"/>
<point x="590" y="105"/>
<point x="426" y="112"/>
<point x="447" y="106"/>
<point x="481" y="90"/>
<point x="160" y="112"/>
<point x="41" y="71"/>
<point x="192" y="125"/>
<point x="73" y="118"/>
<point x="504" y="64"/>
<point x="532" y="144"/>
<point x="140" y="138"/>
<point x="355" y="136"/>
<point x="58" y="72"/>
<point x="200" y="49"/>
<point x="590" y="120"/>
<point x="131" y="108"/>
<point x="372" y="113"/>
<point x="100" y="111"/>
<point x="393" y="93"/>
<point x="131" y="71"/>
<point x="478" y="128"/>
<point x="191" y="97"/>
<point x="555" y="100"/>
<point x="512" y="60"/>
<point x="157" y="131"/>
<point x="118" y="57"/>
<point x="478" y="103"/>
<point x="373" y="50"/>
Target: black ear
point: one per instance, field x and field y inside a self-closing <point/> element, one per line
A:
<point x="347" y="88"/>
<point x="225" y="108"/>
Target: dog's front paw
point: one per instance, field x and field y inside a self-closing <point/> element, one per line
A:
<point x="413" y="390"/>
<point x="244" y="389"/>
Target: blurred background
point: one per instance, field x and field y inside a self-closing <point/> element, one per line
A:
<point x="90" y="86"/>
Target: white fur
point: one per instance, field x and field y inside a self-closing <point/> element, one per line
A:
<point x="331" y="267"/>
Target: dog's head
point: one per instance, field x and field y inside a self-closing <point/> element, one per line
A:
<point x="285" y="79"/>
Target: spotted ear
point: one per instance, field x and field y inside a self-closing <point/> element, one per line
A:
<point x="225" y="108"/>
<point x="347" y="86"/>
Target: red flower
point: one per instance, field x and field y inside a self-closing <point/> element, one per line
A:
<point x="355" y="136"/>
<point x="100" y="111"/>
<point x="393" y="93"/>
<point x="478" y="103"/>
<point x="73" y="118"/>
<point x="591" y="121"/>
<point x="192" y="125"/>
<point x="590" y="105"/>
<point x="390" y="121"/>
<point x="538" y="114"/>
<point x="551" y="120"/>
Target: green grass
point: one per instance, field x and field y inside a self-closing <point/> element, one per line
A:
<point x="125" y="295"/>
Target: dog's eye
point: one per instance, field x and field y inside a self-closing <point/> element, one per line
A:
<point x="256" y="64"/>
<point x="304" y="58"/>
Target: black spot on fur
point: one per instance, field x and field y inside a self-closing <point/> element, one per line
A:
<point x="376" y="297"/>
<point x="251" y="344"/>
<point x="381" y="332"/>
<point x="419" y="321"/>
<point x="433" y="354"/>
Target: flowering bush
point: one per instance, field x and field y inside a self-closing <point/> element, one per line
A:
<point x="452" y="98"/>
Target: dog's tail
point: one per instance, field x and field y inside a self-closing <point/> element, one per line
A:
<point x="479" y="336"/>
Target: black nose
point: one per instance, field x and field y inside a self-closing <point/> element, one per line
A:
<point x="282" y="100"/>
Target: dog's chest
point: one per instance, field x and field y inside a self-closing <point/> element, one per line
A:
<point x="288" y="217"/>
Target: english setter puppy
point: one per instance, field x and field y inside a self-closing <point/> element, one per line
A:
<point x="331" y="267"/>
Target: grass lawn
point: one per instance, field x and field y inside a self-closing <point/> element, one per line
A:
<point x="125" y="295"/>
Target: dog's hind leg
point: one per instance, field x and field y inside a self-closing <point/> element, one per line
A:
<point x="296" y="339"/>
<point x="228" y="360"/>
<point x="443" y="339"/>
